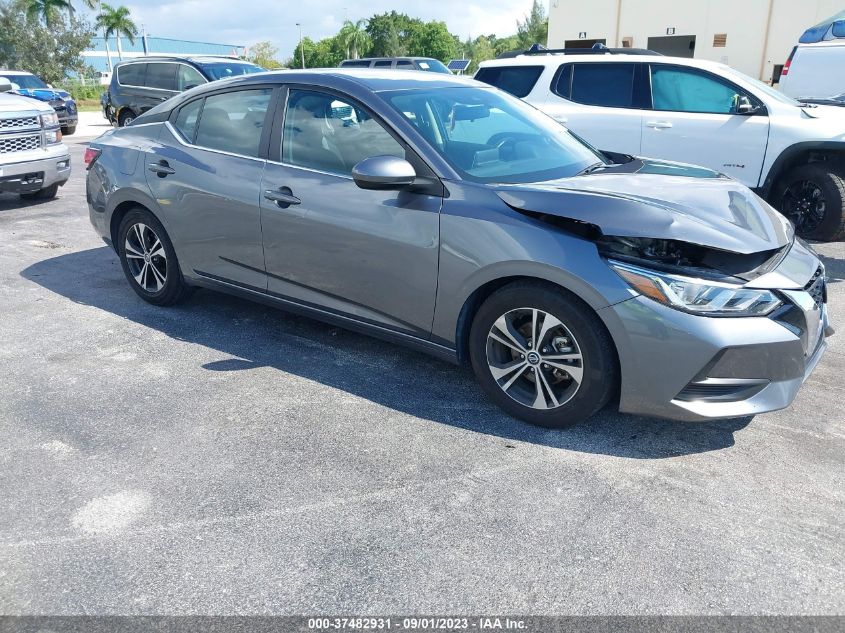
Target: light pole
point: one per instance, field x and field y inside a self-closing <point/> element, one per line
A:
<point x="301" y="50"/>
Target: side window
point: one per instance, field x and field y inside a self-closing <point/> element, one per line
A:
<point x="326" y="133"/>
<point x="186" y="120"/>
<point x="517" y="80"/>
<point x="603" y="84"/>
<point x="683" y="90"/>
<point x="161" y="76"/>
<point x="233" y="121"/>
<point x="188" y="77"/>
<point x="563" y="81"/>
<point x="384" y="63"/>
<point x="405" y="63"/>
<point x="131" y="74"/>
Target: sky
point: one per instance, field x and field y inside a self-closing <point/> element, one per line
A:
<point x="246" y="22"/>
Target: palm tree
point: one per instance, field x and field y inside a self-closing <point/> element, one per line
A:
<point x="354" y="37"/>
<point x="118" y="22"/>
<point x="47" y="9"/>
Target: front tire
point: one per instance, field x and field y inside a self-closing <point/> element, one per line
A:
<point x="542" y="355"/>
<point x="149" y="259"/>
<point x="68" y="130"/>
<point x="47" y="193"/>
<point x="126" y="117"/>
<point x="812" y="196"/>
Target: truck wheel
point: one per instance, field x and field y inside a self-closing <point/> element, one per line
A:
<point x="46" y="193"/>
<point x="812" y="196"/>
<point x="68" y="130"/>
<point x="126" y="117"/>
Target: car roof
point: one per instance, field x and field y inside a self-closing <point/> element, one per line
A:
<point x="196" y="59"/>
<point x="381" y="59"/>
<point x="15" y="72"/>
<point x="373" y="79"/>
<point x="554" y="59"/>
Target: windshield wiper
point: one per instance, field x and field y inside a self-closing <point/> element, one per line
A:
<point x="592" y="168"/>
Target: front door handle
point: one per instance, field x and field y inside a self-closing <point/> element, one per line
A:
<point x="161" y="168"/>
<point x="283" y="197"/>
<point x="659" y="125"/>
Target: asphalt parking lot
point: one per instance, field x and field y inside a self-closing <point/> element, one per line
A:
<point x="221" y="457"/>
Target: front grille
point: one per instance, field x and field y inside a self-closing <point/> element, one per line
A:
<point x="817" y="288"/>
<point x="20" y="122"/>
<point x="19" y="143"/>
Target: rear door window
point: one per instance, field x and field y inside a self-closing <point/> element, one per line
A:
<point x="517" y="80"/>
<point x="601" y="84"/>
<point x="385" y="63"/>
<point x="186" y="120"/>
<point x="161" y="76"/>
<point x="131" y="74"/>
<point x="355" y="64"/>
<point x="233" y="121"/>
<point x="405" y="63"/>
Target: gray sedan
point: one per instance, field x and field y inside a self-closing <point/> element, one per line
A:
<point x="443" y="214"/>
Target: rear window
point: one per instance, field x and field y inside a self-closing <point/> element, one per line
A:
<point x="606" y="84"/>
<point x="517" y="80"/>
<point x="131" y="74"/>
<point x="161" y="76"/>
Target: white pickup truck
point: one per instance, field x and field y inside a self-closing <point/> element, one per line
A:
<point x="632" y="101"/>
<point x="33" y="160"/>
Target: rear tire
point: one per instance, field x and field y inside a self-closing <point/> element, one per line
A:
<point x="573" y="355"/>
<point x="47" y="193"/>
<point x="149" y="259"/>
<point x="126" y="117"/>
<point x="812" y="196"/>
<point x="69" y="130"/>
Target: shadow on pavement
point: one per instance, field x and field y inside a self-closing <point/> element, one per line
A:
<point x="258" y="336"/>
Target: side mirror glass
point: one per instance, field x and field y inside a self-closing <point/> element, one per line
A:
<point x="5" y="85"/>
<point x="383" y="172"/>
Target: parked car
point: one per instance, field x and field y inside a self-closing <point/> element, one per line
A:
<point x="33" y="160"/>
<point x="398" y="63"/>
<point x="29" y="85"/>
<point x="438" y="212"/>
<point x="814" y="70"/>
<point x="699" y="112"/>
<point x="835" y="100"/>
<point x="140" y="84"/>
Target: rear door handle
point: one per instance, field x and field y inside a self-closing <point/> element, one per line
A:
<point x="658" y="125"/>
<point x="283" y="197"/>
<point x="161" y="168"/>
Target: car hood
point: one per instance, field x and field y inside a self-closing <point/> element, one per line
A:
<point x="712" y="211"/>
<point x="11" y="102"/>
<point x="44" y="94"/>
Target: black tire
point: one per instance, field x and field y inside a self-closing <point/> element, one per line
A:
<point x="47" y="193"/>
<point x="825" y="222"/>
<point x="600" y="379"/>
<point x="126" y="117"/>
<point x="68" y="130"/>
<point x="174" y="288"/>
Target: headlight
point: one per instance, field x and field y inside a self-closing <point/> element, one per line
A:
<point x="698" y="296"/>
<point x="51" y="137"/>
<point x="51" y="119"/>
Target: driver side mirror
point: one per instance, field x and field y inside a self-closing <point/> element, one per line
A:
<point x="744" y="106"/>
<point x="5" y="85"/>
<point x="383" y="172"/>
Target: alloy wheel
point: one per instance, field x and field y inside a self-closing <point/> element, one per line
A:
<point x="146" y="257"/>
<point x="804" y="205"/>
<point x="534" y="358"/>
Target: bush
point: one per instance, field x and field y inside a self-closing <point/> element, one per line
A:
<point x="86" y="92"/>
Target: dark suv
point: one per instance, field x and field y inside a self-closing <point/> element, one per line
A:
<point x="140" y="84"/>
<point x="399" y="63"/>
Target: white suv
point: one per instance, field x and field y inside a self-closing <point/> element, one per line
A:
<point x="694" y="111"/>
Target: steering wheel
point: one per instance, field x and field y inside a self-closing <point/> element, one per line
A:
<point x="506" y="144"/>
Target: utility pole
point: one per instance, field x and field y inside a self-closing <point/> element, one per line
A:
<point x="301" y="50"/>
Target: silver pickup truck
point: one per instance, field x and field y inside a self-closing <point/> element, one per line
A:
<point x="33" y="160"/>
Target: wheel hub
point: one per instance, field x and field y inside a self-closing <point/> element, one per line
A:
<point x="145" y="257"/>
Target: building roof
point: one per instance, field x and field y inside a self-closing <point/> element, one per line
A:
<point x="96" y="55"/>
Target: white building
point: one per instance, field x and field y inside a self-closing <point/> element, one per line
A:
<point x="754" y="36"/>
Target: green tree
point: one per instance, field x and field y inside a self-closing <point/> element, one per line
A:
<point x="118" y="22"/>
<point x="354" y="37"/>
<point x="432" y="39"/>
<point x="52" y="52"/>
<point x="535" y="28"/>
<point x="479" y="50"/>
<point x="389" y="33"/>
<point x="48" y="10"/>
<point x="327" y="53"/>
<point x="264" y="54"/>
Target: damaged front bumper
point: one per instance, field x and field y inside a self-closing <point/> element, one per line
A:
<point x="689" y="367"/>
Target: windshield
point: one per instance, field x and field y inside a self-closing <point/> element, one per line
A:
<point x="759" y="85"/>
<point x="489" y="136"/>
<point x="433" y="66"/>
<point x="222" y="70"/>
<point x="27" y="82"/>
